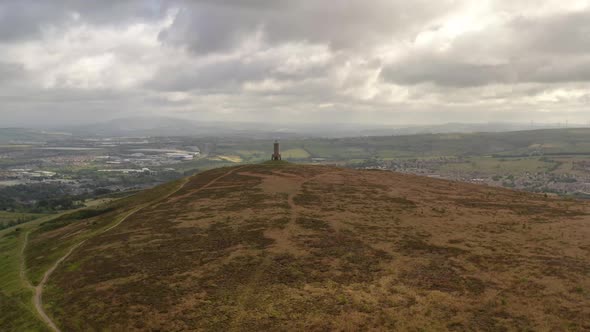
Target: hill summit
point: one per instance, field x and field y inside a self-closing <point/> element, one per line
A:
<point x="279" y="246"/>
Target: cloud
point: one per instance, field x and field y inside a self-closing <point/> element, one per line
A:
<point x="26" y="19"/>
<point x="514" y="50"/>
<point x="287" y="62"/>
<point x="219" y="26"/>
<point x="258" y="60"/>
<point x="11" y="71"/>
<point x="567" y="33"/>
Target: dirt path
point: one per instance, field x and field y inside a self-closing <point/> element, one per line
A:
<point x="38" y="295"/>
<point x="22" y="271"/>
<point x="38" y="290"/>
<point x="291" y="199"/>
<point x="208" y="184"/>
<point x="283" y="242"/>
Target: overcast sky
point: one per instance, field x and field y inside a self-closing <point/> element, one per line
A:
<point x="369" y="61"/>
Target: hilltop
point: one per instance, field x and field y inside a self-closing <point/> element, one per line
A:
<point x="284" y="246"/>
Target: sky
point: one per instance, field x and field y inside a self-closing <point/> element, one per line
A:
<point x="307" y="61"/>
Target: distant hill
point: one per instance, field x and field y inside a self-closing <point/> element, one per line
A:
<point x="278" y="246"/>
<point x="539" y="142"/>
<point x="163" y="126"/>
<point x="470" y="128"/>
<point x="170" y="126"/>
<point x="27" y="135"/>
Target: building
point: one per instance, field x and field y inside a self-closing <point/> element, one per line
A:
<point x="277" y="152"/>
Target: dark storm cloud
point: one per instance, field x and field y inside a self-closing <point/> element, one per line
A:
<point x="25" y="19"/>
<point x="457" y="73"/>
<point x="551" y="49"/>
<point x="560" y="34"/>
<point x="225" y="74"/>
<point x="212" y="26"/>
<point x="11" y="72"/>
<point x="228" y="74"/>
<point x="446" y="72"/>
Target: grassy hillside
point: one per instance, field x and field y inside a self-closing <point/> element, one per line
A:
<point x="49" y="239"/>
<point x="16" y="310"/>
<point x="53" y="238"/>
<point x="283" y="246"/>
<point x="16" y="307"/>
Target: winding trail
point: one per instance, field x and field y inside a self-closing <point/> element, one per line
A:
<point x="38" y="296"/>
<point x="23" y="275"/>
<point x="38" y="290"/>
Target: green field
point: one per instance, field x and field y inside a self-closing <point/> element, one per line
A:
<point x="549" y="160"/>
<point x="506" y="144"/>
<point x="9" y="218"/>
<point x="295" y="154"/>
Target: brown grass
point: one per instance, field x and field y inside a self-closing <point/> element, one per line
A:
<point x="291" y="247"/>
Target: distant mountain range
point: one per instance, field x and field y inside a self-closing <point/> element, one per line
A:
<point x="163" y="126"/>
<point x="167" y="126"/>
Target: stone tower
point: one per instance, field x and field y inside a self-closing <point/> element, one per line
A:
<point x="277" y="152"/>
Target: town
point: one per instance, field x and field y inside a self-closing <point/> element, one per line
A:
<point x="563" y="177"/>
